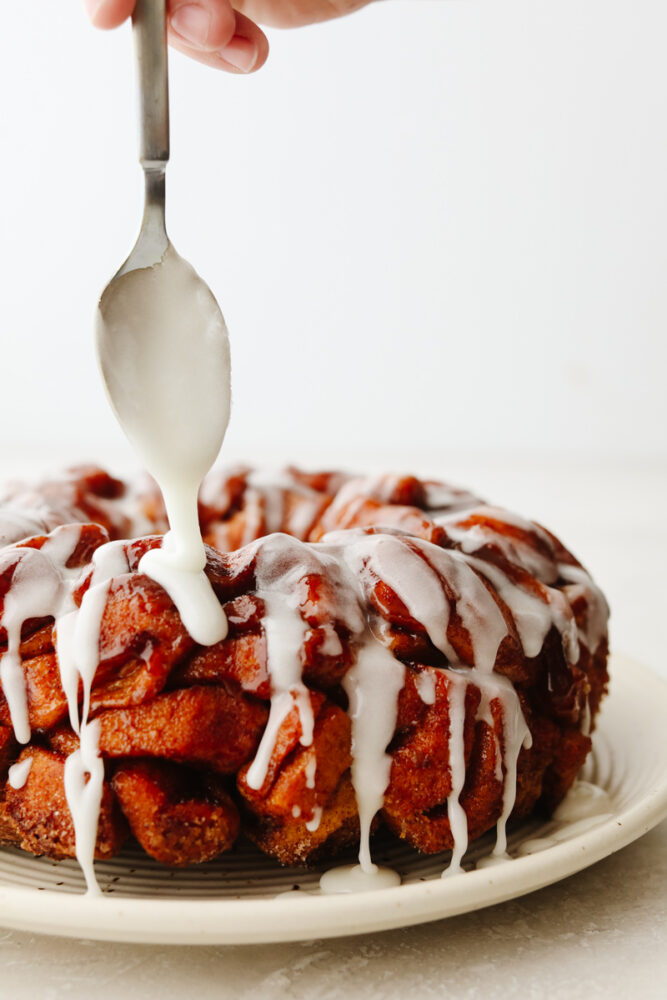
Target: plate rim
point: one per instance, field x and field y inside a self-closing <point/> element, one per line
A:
<point x="187" y="921"/>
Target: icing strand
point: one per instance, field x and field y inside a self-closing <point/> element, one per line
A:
<point x="580" y="584"/>
<point x="586" y="721"/>
<point x="534" y="613"/>
<point x="516" y="735"/>
<point x="84" y="781"/>
<point x="537" y="559"/>
<point x="311" y="771"/>
<point x="278" y="574"/>
<point x="313" y="824"/>
<point x="18" y="773"/>
<point x="372" y="685"/>
<point x="425" y="684"/>
<point x="190" y="590"/>
<point x="479" y="613"/>
<point x="458" y="821"/>
<point x="78" y="638"/>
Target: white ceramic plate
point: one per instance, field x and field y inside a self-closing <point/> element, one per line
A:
<point x="247" y="898"/>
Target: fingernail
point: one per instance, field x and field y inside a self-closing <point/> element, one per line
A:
<point x="192" y="23"/>
<point x="241" y="53"/>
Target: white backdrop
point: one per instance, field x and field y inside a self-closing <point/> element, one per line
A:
<point x="440" y="220"/>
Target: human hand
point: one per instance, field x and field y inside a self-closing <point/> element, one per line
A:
<point x="221" y="35"/>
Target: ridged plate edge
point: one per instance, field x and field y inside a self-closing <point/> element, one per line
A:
<point x="630" y="756"/>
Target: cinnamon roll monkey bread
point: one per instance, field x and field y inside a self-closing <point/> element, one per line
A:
<point x="399" y="653"/>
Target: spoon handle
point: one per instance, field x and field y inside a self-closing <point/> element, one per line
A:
<point x="150" y="33"/>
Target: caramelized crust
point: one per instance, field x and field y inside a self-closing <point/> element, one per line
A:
<point x="175" y="718"/>
<point x="37" y="816"/>
<point x="179" y="817"/>
<point x="210" y="726"/>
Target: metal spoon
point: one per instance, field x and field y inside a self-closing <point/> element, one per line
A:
<point x="161" y="339"/>
<point x="149" y="26"/>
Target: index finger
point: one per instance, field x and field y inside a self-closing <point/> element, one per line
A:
<point x="210" y="31"/>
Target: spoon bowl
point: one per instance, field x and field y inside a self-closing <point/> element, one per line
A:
<point x="164" y="354"/>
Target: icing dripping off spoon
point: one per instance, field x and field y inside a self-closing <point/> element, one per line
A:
<point x="164" y="354"/>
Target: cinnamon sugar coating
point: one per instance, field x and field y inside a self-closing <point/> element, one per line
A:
<point x="181" y="724"/>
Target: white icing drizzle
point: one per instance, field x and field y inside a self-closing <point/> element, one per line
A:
<point x="36" y="591"/>
<point x="267" y="490"/>
<point x="331" y="644"/>
<point x="78" y="637"/>
<point x="313" y="824"/>
<point x="215" y="492"/>
<point x="18" y="773"/>
<point x="354" y="494"/>
<point x="303" y="514"/>
<point x="586" y="720"/>
<point x="311" y="771"/>
<point x="31" y="510"/>
<point x="190" y="590"/>
<point x="413" y="569"/>
<point x="379" y="488"/>
<point x="534" y="615"/>
<point x="24" y="523"/>
<point x="584" y="807"/>
<point x="580" y="584"/>
<point x="458" y="821"/>
<point x="485" y="714"/>
<point x="372" y="685"/>
<point x="477" y="609"/>
<point x="78" y="631"/>
<point x="278" y="571"/>
<point x="353" y="562"/>
<point x="39" y="589"/>
<point x="21" y="523"/>
<point x="443" y="498"/>
<point x="539" y="564"/>
<point x="253" y="517"/>
<point x="84" y="780"/>
<point x="425" y="684"/>
<point x="516" y="735"/>
<point x="268" y="494"/>
<point x="413" y="580"/>
<point x="265" y="502"/>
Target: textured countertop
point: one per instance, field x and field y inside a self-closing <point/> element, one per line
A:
<point x="600" y="932"/>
